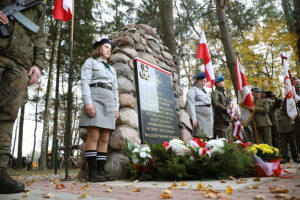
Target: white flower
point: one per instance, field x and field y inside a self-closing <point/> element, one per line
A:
<point x="178" y="147"/>
<point x="215" y="145"/>
<point x="143" y="154"/>
<point x="193" y="144"/>
<point x="135" y="150"/>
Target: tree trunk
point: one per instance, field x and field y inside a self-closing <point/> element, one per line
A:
<point x="15" y="137"/>
<point x="56" y="106"/>
<point x="36" y="121"/>
<point x="44" y="142"/>
<point x="227" y="41"/>
<point x="288" y="14"/>
<point x="20" y="141"/>
<point x="167" y="18"/>
<point x="297" y="23"/>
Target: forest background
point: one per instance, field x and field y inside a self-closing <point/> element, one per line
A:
<point x="259" y="31"/>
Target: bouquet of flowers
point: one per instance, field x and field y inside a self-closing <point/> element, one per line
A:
<point x="264" y="151"/>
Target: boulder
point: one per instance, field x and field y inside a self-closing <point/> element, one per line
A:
<point x="185" y="135"/>
<point x="117" y="164"/>
<point x="129" y="52"/>
<point x="147" y="57"/>
<point x="119" y="57"/>
<point x="125" y="41"/>
<point x="128" y="117"/>
<point x="148" y="30"/>
<point x="123" y="70"/>
<point x="121" y="134"/>
<point x="167" y="55"/>
<point x="154" y="46"/>
<point x="125" y="85"/>
<point x="127" y="100"/>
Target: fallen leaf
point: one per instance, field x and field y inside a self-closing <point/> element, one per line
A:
<point x="260" y="197"/>
<point x="154" y="184"/>
<point x="238" y="181"/>
<point x="48" y="195"/>
<point x="256" y="179"/>
<point x="298" y="185"/>
<point x="136" y="190"/>
<point x="28" y="183"/>
<point x="252" y="186"/>
<point x="223" y="181"/>
<point x="174" y="185"/>
<point x="135" y="181"/>
<point x="284" y="196"/>
<point x="86" y="185"/>
<point x="83" y="195"/>
<point x="103" y="184"/>
<point x="170" y="188"/>
<point x="288" y="166"/>
<point x="223" y="196"/>
<point x="26" y="194"/>
<point x="74" y="183"/>
<point x="166" y="194"/>
<point x="182" y="184"/>
<point x="202" y="186"/>
<point x="229" y="189"/>
<point x="279" y="190"/>
<point x="59" y="186"/>
<point x="231" y="178"/>
<point x="108" y="190"/>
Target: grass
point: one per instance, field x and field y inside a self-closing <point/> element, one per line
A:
<point x="19" y="172"/>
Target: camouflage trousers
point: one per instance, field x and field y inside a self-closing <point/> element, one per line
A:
<point x="13" y="90"/>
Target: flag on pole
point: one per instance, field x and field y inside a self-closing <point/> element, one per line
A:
<point x="63" y="9"/>
<point x="242" y="85"/>
<point x="289" y="92"/>
<point x="203" y="53"/>
<point x="237" y="130"/>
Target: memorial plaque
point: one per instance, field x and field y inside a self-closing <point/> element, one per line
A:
<point x="156" y="103"/>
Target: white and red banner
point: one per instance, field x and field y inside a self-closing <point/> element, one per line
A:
<point x="243" y="85"/>
<point x="63" y="9"/>
<point x="289" y="90"/>
<point x="245" y="99"/>
<point x="237" y="130"/>
<point x="203" y="53"/>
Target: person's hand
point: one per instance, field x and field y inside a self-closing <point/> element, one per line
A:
<point x="251" y="109"/>
<point x="34" y="74"/>
<point x="3" y="18"/>
<point x="117" y="113"/>
<point x="194" y="123"/>
<point x="90" y="110"/>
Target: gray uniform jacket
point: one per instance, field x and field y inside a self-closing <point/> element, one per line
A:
<point x="196" y="97"/>
<point x="94" y="71"/>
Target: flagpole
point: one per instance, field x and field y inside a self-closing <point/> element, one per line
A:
<point x="68" y="133"/>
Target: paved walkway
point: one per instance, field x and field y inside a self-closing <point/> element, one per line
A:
<point x="41" y="187"/>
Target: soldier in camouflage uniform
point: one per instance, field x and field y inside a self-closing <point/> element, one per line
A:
<point x="262" y="120"/>
<point x="221" y="109"/>
<point x="21" y="61"/>
<point x="297" y="120"/>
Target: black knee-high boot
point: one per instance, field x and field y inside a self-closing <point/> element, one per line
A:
<point x="94" y="176"/>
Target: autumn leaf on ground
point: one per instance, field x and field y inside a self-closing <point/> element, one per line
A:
<point x="279" y="190"/>
<point x="252" y="186"/>
<point x="229" y="189"/>
<point x="174" y="185"/>
<point x="86" y="185"/>
<point x="182" y="184"/>
<point x="202" y="186"/>
<point x="166" y="194"/>
<point x="284" y="196"/>
<point x="26" y="194"/>
<point x="298" y="185"/>
<point x="109" y="190"/>
<point x="48" y="195"/>
<point x="59" y="186"/>
<point x="223" y="196"/>
<point x="238" y="181"/>
<point x="154" y="184"/>
<point x="135" y="181"/>
<point x="260" y="197"/>
<point x="136" y="190"/>
<point x="209" y="193"/>
<point x="74" y="183"/>
<point x="83" y="195"/>
<point x="223" y="181"/>
<point x="28" y="183"/>
<point x="102" y="184"/>
<point x="231" y="178"/>
<point x="256" y="179"/>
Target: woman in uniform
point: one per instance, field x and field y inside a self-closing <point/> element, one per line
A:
<point x="101" y="108"/>
<point x="199" y="107"/>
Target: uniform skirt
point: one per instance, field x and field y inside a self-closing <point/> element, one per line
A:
<point x="204" y="120"/>
<point x="104" y="103"/>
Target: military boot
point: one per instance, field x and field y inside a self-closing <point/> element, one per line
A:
<point x="94" y="176"/>
<point x="9" y="185"/>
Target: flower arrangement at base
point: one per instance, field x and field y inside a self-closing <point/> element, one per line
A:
<point x="264" y="151"/>
<point x="176" y="160"/>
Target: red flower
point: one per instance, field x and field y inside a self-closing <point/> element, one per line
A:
<point x="199" y="142"/>
<point x="246" y="144"/>
<point x="166" y="144"/>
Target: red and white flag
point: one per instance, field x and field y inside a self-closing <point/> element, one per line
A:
<point x="203" y="53"/>
<point x="243" y="85"/>
<point x="63" y="9"/>
<point x="289" y="90"/>
<point x="237" y="130"/>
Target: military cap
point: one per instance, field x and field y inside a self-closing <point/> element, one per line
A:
<point x="256" y="89"/>
<point x="102" y="41"/>
<point x="200" y="76"/>
<point x="219" y="79"/>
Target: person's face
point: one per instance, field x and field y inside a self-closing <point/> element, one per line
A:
<point x="105" y="50"/>
<point x="256" y="95"/>
<point x="221" y="84"/>
<point x="201" y="83"/>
